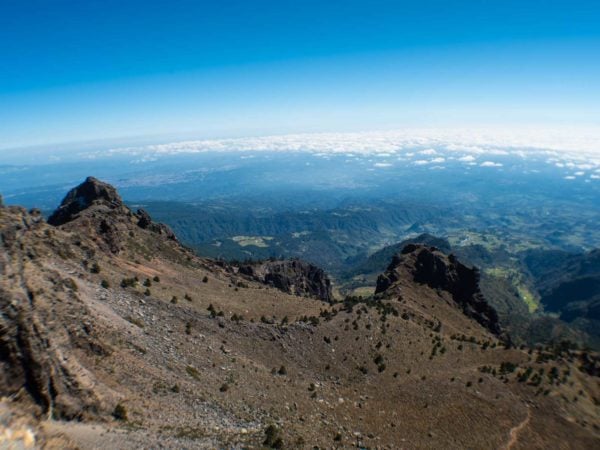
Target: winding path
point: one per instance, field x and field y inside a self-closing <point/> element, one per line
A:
<point x="514" y="431"/>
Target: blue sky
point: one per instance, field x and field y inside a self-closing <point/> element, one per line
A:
<point x="89" y="70"/>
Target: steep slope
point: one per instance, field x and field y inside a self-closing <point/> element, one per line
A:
<point x="135" y="335"/>
<point x="569" y="284"/>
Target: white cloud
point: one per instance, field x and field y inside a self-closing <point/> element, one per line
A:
<point x="382" y="164"/>
<point x="421" y="162"/>
<point x="569" y="177"/>
<point x="467" y="158"/>
<point x="438" y="160"/>
<point x="490" y="164"/>
<point x="428" y="151"/>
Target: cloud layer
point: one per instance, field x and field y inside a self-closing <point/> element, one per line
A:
<point x="576" y="151"/>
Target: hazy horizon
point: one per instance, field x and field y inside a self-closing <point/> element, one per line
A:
<point x="148" y="71"/>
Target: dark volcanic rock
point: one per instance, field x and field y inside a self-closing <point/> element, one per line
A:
<point x="82" y="197"/>
<point x="429" y="266"/>
<point x="291" y="276"/>
<point x="146" y="223"/>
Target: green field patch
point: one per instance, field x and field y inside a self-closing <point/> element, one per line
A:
<point x="256" y="241"/>
<point x="528" y="297"/>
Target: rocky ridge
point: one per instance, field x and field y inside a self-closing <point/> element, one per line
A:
<point x="428" y="265"/>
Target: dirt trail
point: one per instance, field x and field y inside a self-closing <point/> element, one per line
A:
<point x="514" y="431"/>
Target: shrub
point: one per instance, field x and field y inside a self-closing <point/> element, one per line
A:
<point x="120" y="412"/>
<point x="187" y="297"/>
<point x="147" y="292"/>
<point x="95" y="268"/>
<point x="104" y="284"/>
<point x="272" y="437"/>
<point x="188" y="328"/>
<point x="205" y="279"/>
<point x="224" y="387"/>
<point x="282" y="371"/>
<point x="156" y="279"/>
<point x="193" y="372"/>
<point x="147" y="283"/>
<point x="128" y="282"/>
<point x="174" y="300"/>
<point x="70" y="284"/>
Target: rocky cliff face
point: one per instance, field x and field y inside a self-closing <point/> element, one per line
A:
<point x="291" y="276"/>
<point x="429" y="266"/>
<point x="36" y="341"/>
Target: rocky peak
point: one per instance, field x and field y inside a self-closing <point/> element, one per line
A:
<point x="291" y="276"/>
<point x="429" y="266"/>
<point x="91" y="191"/>
<point x="96" y="209"/>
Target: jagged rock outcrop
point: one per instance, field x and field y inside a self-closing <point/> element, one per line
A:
<point x="291" y="276"/>
<point x="97" y="207"/>
<point x="429" y="266"/>
<point x="91" y="191"/>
